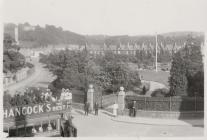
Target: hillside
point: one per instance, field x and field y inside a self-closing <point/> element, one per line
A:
<point x="51" y="35"/>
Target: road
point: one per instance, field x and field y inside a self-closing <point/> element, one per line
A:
<point x="104" y="126"/>
<point x="41" y="77"/>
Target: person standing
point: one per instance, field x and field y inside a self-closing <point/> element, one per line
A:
<point x="96" y="108"/>
<point x="62" y="96"/>
<point x="130" y="109"/>
<point x="115" y="108"/>
<point x="134" y="108"/>
<point x="70" y="96"/>
<point x="85" y="108"/>
<point x="88" y="106"/>
<point x="62" y="124"/>
<point x="47" y="95"/>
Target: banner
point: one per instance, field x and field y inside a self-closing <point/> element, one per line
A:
<point x="35" y="109"/>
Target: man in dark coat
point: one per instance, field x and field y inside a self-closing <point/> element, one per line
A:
<point x="62" y="125"/>
<point x="134" y="108"/>
<point x="85" y="108"/>
<point x="96" y="108"/>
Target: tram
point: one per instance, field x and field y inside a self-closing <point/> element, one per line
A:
<point x="35" y="120"/>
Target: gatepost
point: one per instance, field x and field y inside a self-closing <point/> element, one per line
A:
<point x="121" y="101"/>
<point x="90" y="94"/>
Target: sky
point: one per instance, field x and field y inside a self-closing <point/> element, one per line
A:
<point x="110" y="17"/>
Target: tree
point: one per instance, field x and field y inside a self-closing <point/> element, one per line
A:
<point x="186" y="75"/>
<point x="178" y="80"/>
<point x="12" y="59"/>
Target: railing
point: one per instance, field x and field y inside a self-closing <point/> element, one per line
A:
<point x="166" y="103"/>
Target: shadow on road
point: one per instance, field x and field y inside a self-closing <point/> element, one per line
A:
<point x="196" y="117"/>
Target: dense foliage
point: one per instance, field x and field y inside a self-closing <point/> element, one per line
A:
<point x="12" y="59"/>
<point x="78" y="70"/>
<point x="43" y="36"/>
<point x="187" y="72"/>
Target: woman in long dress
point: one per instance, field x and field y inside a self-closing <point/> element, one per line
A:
<point x="115" y="107"/>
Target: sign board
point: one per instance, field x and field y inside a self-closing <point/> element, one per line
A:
<point x="29" y="110"/>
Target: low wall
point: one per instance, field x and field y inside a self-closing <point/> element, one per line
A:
<point x="166" y="107"/>
<point x="167" y="114"/>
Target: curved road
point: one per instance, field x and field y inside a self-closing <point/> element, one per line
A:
<point x="41" y="77"/>
<point x="103" y="126"/>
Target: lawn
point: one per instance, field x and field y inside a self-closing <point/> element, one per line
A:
<point x="151" y="75"/>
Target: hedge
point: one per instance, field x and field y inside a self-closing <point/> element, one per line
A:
<point x="166" y="103"/>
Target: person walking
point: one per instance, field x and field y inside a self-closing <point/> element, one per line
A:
<point x="96" y="108"/>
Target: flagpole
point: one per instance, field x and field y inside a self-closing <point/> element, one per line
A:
<point x="156" y="52"/>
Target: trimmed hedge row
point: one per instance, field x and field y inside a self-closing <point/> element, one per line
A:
<point x="166" y="103"/>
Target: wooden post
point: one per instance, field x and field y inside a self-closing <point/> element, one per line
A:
<point x="145" y="103"/>
<point x="170" y="104"/>
<point x="58" y="124"/>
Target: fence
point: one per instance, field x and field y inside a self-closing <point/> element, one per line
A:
<point x="166" y="103"/>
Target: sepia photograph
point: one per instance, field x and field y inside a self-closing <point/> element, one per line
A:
<point x="103" y="68"/>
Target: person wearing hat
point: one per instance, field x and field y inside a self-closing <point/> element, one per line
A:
<point x="47" y="95"/>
